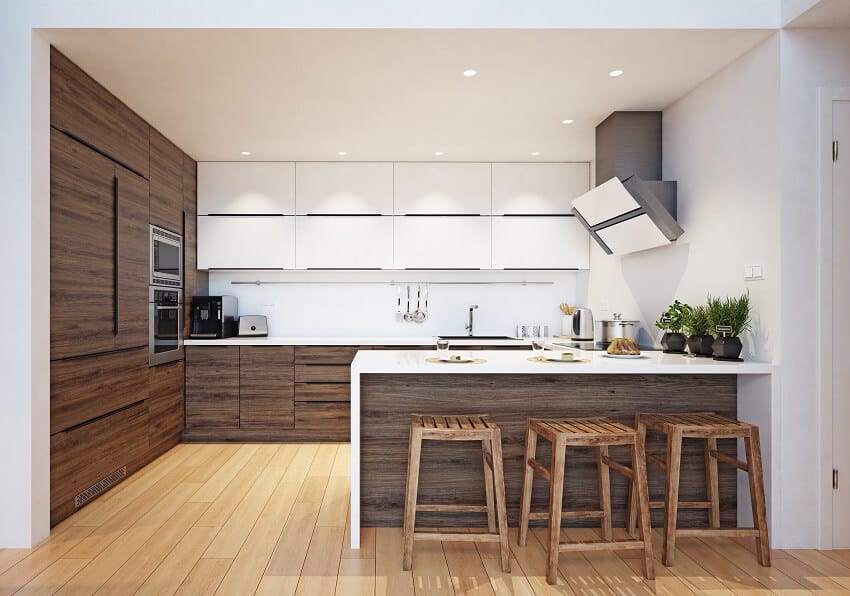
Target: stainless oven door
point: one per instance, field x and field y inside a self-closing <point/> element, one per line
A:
<point x="166" y="329"/>
<point x="166" y="258"/>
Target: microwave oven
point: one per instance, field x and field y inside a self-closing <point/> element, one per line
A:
<point x="166" y="258"/>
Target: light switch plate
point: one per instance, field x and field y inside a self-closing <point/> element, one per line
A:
<point x="748" y="273"/>
<point x="753" y="273"/>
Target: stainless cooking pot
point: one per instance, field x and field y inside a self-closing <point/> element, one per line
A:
<point x="611" y="329"/>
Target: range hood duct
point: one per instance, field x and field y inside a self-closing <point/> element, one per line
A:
<point x="631" y="208"/>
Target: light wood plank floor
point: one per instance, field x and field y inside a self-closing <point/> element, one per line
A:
<point x="272" y="519"/>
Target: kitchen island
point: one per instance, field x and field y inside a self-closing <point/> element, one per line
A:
<point x="388" y="386"/>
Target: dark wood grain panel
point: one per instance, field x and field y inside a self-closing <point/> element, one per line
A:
<point x="83" y="108"/>
<point x="450" y="473"/>
<point x="84" y="388"/>
<point x="266" y="394"/>
<point x="323" y="392"/>
<point x="322" y="373"/>
<point x="342" y="355"/>
<point x="165" y="408"/>
<point x="166" y="176"/>
<point x="81" y="249"/>
<point x="212" y="387"/>
<point x="133" y="259"/>
<point x="84" y="455"/>
<point x="326" y="418"/>
<point x="195" y="283"/>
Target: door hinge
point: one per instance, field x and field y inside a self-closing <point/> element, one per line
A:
<point x="835" y="480"/>
<point x="835" y="151"/>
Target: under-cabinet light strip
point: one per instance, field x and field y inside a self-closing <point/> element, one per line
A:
<point x="395" y="283"/>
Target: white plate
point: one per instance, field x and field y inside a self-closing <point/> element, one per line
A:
<point x="459" y="358"/>
<point x="625" y="356"/>
<point x="556" y="357"/>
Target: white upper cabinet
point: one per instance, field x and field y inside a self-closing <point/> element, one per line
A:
<point x="540" y="243"/>
<point x="246" y="188"/>
<point x="333" y="188"/>
<point x="442" y="188"/>
<point x="240" y="242"/>
<point x="538" y="188"/>
<point x="433" y="242"/>
<point x="340" y="242"/>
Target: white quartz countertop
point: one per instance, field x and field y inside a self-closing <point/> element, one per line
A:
<point x="516" y="362"/>
<point x="349" y="341"/>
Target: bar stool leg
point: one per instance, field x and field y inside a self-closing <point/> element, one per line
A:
<point x="753" y="448"/>
<point x="604" y="492"/>
<point x="556" y="494"/>
<point x="414" y="455"/>
<point x="631" y="524"/>
<point x="527" y="483"/>
<point x="487" y="459"/>
<point x="671" y="498"/>
<point x="501" y="505"/>
<point x="642" y="497"/>
<point x="711" y="483"/>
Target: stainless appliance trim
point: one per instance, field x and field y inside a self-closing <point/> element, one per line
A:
<point x="168" y="237"/>
<point x="154" y="357"/>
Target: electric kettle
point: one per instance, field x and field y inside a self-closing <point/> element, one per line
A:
<point x="582" y="325"/>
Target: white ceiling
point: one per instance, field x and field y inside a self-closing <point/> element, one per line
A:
<point x="394" y="94"/>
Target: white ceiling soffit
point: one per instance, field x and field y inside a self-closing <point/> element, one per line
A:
<point x="823" y="14"/>
<point x="394" y="94"/>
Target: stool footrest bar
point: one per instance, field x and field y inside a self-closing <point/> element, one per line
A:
<point x="457" y="508"/>
<point x="569" y="515"/>
<point x="728" y="532"/>
<point x="601" y="545"/>
<point x="741" y="465"/>
<point x="624" y="470"/>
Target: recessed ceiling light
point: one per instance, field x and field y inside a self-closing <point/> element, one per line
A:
<point x="470" y="72"/>
<point x="438" y="153"/>
<point x="342" y="153"/>
<point x="567" y="121"/>
<point x="535" y="153"/>
<point x="244" y="153"/>
<point x="615" y="73"/>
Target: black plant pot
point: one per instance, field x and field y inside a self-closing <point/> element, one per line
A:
<point x="673" y="343"/>
<point x="727" y="348"/>
<point x="701" y="345"/>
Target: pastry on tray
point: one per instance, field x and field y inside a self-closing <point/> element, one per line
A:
<point x="623" y="347"/>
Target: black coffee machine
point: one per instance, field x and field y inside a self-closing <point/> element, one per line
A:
<point x="214" y="317"/>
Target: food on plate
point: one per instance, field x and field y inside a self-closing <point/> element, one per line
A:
<point x="566" y="356"/>
<point x="623" y="347"/>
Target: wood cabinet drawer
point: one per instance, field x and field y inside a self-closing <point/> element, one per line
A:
<point x="323" y="373"/>
<point x="322" y="392"/>
<point x="324" y="417"/>
<point x="266" y="387"/>
<point x="84" y="388"/>
<point x="166" y="183"/>
<point x="326" y="354"/>
<point x="212" y="387"/>
<point x="165" y="408"/>
<point x="86" y="455"/>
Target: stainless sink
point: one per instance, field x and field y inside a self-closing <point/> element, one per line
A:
<point x="475" y="337"/>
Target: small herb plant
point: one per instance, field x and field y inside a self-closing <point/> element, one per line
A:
<point x="673" y="319"/>
<point x="732" y="312"/>
<point x="697" y="321"/>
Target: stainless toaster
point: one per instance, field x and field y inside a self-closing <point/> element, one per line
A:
<point x="253" y="326"/>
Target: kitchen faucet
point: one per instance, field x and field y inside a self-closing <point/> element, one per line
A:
<point x="469" y="326"/>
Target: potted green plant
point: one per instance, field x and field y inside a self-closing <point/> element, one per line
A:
<point x="698" y="326"/>
<point x="729" y="317"/>
<point x="672" y="323"/>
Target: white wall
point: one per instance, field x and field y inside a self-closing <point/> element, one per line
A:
<point x="365" y="309"/>
<point x="721" y="143"/>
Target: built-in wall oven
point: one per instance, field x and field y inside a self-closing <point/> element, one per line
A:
<point x="166" y="325"/>
<point x="166" y="258"/>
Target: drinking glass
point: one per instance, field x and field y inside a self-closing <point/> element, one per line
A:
<point x="537" y="348"/>
<point x="442" y="348"/>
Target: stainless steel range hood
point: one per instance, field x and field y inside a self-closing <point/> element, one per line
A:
<point x="631" y="209"/>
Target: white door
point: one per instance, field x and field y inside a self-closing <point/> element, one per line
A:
<point x="240" y="242"/>
<point x="540" y="243"/>
<point x="538" y="188"/>
<point x="335" y="188"/>
<point x="340" y="242"/>
<point x="246" y="188"/>
<point x="434" y="242"/>
<point x="841" y="324"/>
<point x="442" y="188"/>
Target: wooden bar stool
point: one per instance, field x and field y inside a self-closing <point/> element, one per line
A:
<point x="710" y="427"/>
<point x="479" y="427"/>
<point x="584" y="432"/>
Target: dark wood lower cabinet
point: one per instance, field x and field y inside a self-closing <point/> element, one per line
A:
<point x="326" y="418"/>
<point x="266" y="392"/>
<point x="212" y="387"/>
<point x="165" y="408"/>
<point x="87" y="460"/>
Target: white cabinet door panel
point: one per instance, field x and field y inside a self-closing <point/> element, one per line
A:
<point x="442" y="242"/>
<point x="339" y="242"/>
<point x="240" y="242"/>
<point x="540" y="243"/>
<point x="538" y="188"/>
<point x="442" y="188"/>
<point x="246" y="188"/>
<point x="344" y="188"/>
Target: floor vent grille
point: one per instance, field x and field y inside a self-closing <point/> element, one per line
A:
<point x="96" y="489"/>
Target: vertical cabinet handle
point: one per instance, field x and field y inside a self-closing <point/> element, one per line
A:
<point x="115" y="256"/>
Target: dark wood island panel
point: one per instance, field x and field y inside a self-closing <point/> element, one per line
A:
<point x="452" y="473"/>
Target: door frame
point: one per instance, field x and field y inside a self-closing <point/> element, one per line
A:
<point x="826" y="97"/>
